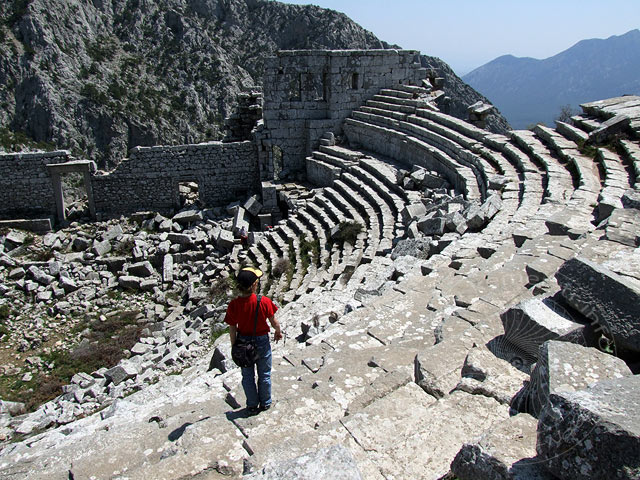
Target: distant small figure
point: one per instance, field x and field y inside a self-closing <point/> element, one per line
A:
<point x="241" y="318"/>
<point x="244" y="237"/>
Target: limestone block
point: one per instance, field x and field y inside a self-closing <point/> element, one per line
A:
<point x="592" y="433"/>
<point x="485" y="374"/>
<point x="623" y="226"/>
<point x="101" y="248"/>
<point x="532" y="322"/>
<point x="128" y="281"/>
<point x="120" y="373"/>
<point x="225" y="240"/>
<point x="188" y="216"/>
<point x="604" y="297"/>
<point x="240" y="220"/>
<point x="140" y="348"/>
<point x="113" y="233"/>
<point x="567" y="367"/>
<point x="504" y="452"/>
<point x="167" y="268"/>
<point x="252" y="205"/>
<point x="180" y="239"/>
<point x="631" y="199"/>
<point x="413" y="211"/>
<point x="12" y="408"/>
<point x="16" y="273"/>
<point x="141" y="269"/>
<point x="437" y="369"/>
<point x="543" y="267"/>
<point x="40" y="276"/>
<point x="432" y="226"/>
<point x="334" y="462"/>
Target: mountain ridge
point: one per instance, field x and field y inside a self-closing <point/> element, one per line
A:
<point x="102" y="76"/>
<point x="529" y="90"/>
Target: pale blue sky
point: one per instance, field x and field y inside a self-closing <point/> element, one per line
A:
<point x="469" y="33"/>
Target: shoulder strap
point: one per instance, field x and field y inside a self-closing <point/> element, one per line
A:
<point x="255" y="323"/>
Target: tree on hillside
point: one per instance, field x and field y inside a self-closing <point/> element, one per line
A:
<point x="566" y="112"/>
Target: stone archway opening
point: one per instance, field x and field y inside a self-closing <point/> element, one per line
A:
<point x="71" y="182"/>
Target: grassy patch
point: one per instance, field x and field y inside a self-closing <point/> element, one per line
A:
<point x="103" y="346"/>
<point x="216" y="334"/>
<point x="221" y="288"/>
<point x="309" y="252"/>
<point x="347" y="232"/>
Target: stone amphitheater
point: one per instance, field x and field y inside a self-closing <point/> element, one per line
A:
<point x="482" y="324"/>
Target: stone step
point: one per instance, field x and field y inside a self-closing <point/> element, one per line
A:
<point x="311" y="225"/>
<point x="385" y="217"/>
<point x="632" y="154"/>
<point x="588" y="177"/>
<point x="415" y="89"/>
<point x="382" y="112"/>
<point x="586" y="124"/>
<point x="559" y="185"/>
<point x="331" y="159"/>
<point x="571" y="132"/>
<point x="391" y="433"/>
<point x="383" y="178"/>
<point x="414" y="127"/>
<point x="410" y="102"/>
<point x="396" y="93"/>
<point x="416" y="152"/>
<point x="366" y="212"/>
<point x="405" y="109"/>
<point x="335" y="213"/>
<point x="352" y="157"/>
<point x="616" y="182"/>
<point x="460" y="126"/>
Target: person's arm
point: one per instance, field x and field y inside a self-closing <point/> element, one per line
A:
<point x="277" y="335"/>
<point x="232" y="333"/>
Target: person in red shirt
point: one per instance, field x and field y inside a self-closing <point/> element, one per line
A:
<point x="240" y="317"/>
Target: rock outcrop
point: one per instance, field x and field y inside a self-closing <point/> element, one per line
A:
<point x="99" y="78"/>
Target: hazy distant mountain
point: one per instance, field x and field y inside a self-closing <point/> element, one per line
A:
<point x="528" y="91"/>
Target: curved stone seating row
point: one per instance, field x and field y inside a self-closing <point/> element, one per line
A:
<point x="411" y="125"/>
<point x="363" y="191"/>
<point x="586" y="169"/>
<point x="632" y="153"/>
<point x="616" y="181"/>
<point x="412" y="151"/>
<point x="487" y="154"/>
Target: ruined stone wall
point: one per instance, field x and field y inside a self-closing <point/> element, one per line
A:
<point x="149" y="179"/>
<point x="310" y="92"/>
<point x="25" y="184"/>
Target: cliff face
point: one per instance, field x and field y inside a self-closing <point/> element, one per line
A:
<point x="101" y="76"/>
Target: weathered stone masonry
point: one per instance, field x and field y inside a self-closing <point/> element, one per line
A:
<point x="25" y="185"/>
<point x="308" y="93"/>
<point x="149" y="178"/>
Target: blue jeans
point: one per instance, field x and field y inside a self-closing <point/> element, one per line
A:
<point x="260" y="393"/>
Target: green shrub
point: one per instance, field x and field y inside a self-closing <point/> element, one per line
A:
<point x="348" y="231"/>
<point x="103" y="48"/>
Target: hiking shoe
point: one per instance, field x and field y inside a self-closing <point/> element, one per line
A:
<point x="264" y="408"/>
<point x="253" y="410"/>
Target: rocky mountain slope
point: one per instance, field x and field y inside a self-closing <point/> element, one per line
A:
<point x="102" y="76"/>
<point x="527" y="90"/>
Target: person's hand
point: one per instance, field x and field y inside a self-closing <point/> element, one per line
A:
<point x="277" y="336"/>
